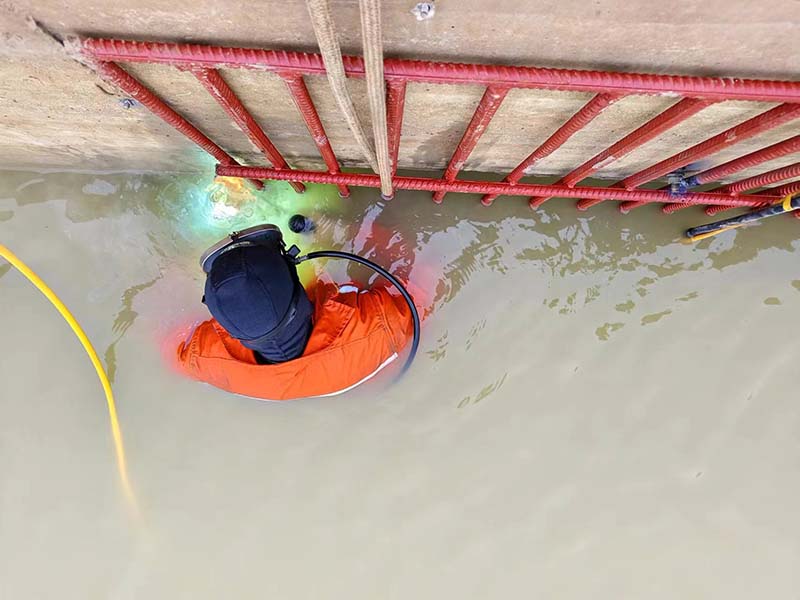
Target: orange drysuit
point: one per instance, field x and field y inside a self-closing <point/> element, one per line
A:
<point x="355" y="334"/>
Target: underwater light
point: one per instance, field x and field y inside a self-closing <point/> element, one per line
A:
<point x="229" y="196"/>
<point x="220" y="210"/>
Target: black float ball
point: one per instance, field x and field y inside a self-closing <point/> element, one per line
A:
<point x="301" y="224"/>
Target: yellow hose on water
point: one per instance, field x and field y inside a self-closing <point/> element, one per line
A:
<point x="116" y="432"/>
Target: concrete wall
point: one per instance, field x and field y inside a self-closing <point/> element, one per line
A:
<point x="56" y="113"/>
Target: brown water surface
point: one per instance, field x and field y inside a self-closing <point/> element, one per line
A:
<point x="597" y="410"/>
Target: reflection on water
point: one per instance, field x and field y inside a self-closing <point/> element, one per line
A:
<point x="123" y="321"/>
<point x="596" y="354"/>
<point x="484" y="393"/>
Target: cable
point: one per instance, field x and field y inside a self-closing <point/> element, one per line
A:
<point x="389" y="277"/>
<point x="116" y="432"/>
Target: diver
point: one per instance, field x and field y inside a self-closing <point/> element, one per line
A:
<point x="270" y="338"/>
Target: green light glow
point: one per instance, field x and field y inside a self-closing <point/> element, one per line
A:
<point x="205" y="209"/>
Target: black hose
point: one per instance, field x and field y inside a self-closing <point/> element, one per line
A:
<point x="388" y="276"/>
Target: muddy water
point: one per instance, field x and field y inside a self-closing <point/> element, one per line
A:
<point x="597" y="410"/>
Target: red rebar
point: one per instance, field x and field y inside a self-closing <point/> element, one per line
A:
<point x="487" y="107"/>
<point x="713" y="210"/>
<point x="672" y="207"/>
<point x="759" y="124"/>
<point x="784" y="190"/>
<point x="768" y="178"/>
<point x="751" y="183"/>
<point x="395" y="104"/>
<point x="227" y="98"/>
<point x="671" y="117"/>
<point x="712" y="88"/>
<point x="305" y="105"/>
<point x="575" y="123"/>
<point x="792" y="188"/>
<point x="139" y="92"/>
<point x="739" y="164"/>
<point x="749" y="160"/>
<point x="488" y="187"/>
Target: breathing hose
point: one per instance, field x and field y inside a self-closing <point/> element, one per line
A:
<point x="391" y="279"/>
<point x="116" y="432"/>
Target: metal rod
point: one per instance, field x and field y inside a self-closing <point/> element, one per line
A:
<point x="747" y="161"/>
<point x="488" y="187"/>
<point x="191" y="55"/>
<point x="216" y="85"/>
<point x="751" y="183"/>
<point x="395" y="105"/>
<point x="790" y="188"/>
<point x="750" y="160"/>
<point x="759" y="124"/>
<point x="305" y="105"/>
<point x="578" y="121"/>
<point x="739" y="164"/>
<point x="716" y="209"/>
<point x="671" y="117"/>
<point x="672" y="207"/>
<point x="491" y="100"/>
<point x="139" y="92"/>
<point x="785" y="190"/>
<point x="768" y="178"/>
<point x="575" y="123"/>
<point x="713" y="210"/>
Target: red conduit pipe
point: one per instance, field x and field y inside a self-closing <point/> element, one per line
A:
<point x="491" y="100"/>
<point x="759" y="124"/>
<point x="395" y="105"/>
<point x="194" y="55"/>
<point x="305" y="105"/>
<point x="227" y="98"/>
<point x="489" y="187"/>
<point x="137" y="90"/>
<point x="668" y="119"/>
<point x="575" y="123"/>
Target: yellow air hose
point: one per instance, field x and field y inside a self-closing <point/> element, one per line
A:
<point x="116" y="432"/>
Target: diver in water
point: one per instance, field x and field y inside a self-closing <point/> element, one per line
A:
<point x="269" y="338"/>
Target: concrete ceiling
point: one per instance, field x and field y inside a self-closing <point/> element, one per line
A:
<point x="56" y="113"/>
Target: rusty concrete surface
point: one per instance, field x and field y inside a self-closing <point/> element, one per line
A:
<point x="57" y="114"/>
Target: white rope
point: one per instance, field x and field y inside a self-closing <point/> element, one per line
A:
<point x="376" y="87"/>
<point x="321" y="19"/>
